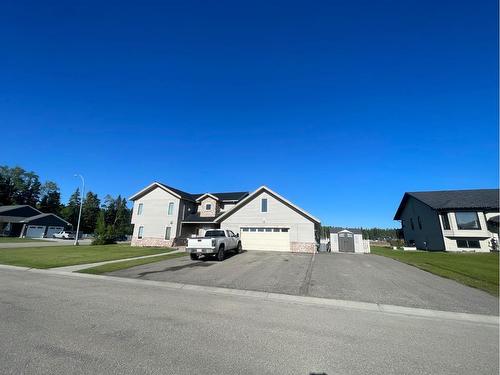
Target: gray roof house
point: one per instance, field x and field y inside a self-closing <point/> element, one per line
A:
<point x="27" y="221"/>
<point x="451" y="220"/>
<point x="166" y="216"/>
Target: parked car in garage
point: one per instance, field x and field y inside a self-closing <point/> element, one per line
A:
<point x="215" y="242"/>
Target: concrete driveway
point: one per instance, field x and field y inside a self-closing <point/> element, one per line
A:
<point x="366" y="278"/>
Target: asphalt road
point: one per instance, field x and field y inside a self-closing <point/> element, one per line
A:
<point x="55" y="324"/>
<point x="365" y="278"/>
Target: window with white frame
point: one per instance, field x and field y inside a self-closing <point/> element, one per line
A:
<point x="140" y="232"/>
<point x="139" y="209"/>
<point x="168" y="232"/>
<point x="170" y="208"/>
<point x="467" y="220"/>
<point x="208" y="206"/>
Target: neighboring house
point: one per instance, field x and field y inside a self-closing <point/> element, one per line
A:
<point x="454" y="220"/>
<point x="348" y="240"/>
<point x="26" y="221"/>
<point x="164" y="216"/>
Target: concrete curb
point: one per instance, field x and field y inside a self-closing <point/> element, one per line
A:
<point x="303" y="300"/>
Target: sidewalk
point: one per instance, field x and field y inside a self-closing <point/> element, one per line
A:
<point x="79" y="267"/>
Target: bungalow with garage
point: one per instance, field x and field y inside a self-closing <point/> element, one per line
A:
<point x="452" y="220"/>
<point x="165" y="216"/>
<point x="26" y="221"/>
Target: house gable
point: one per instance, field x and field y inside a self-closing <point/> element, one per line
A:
<point x="275" y="198"/>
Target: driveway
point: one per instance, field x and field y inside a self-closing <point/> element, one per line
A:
<point x="366" y="278"/>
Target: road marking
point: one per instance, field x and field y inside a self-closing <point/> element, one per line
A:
<point x="303" y="300"/>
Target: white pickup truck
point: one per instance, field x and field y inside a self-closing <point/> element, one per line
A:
<point x="215" y="242"/>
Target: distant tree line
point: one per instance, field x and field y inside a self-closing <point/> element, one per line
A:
<point x="108" y="220"/>
<point x="370" y="233"/>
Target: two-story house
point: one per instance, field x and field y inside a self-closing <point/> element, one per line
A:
<point x="452" y="220"/>
<point x="164" y="216"/>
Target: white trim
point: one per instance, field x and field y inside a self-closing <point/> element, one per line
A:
<point x="207" y="194"/>
<point x="253" y="195"/>
<point x="154" y="184"/>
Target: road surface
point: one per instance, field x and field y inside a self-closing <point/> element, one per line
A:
<point x="65" y="324"/>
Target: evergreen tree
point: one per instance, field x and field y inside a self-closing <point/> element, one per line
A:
<point x="90" y="213"/>
<point x="50" y="201"/>
<point x="71" y="210"/>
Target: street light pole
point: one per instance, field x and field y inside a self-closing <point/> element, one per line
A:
<point x="80" y="213"/>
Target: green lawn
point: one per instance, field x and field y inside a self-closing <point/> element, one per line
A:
<point x="17" y="239"/>
<point x="478" y="270"/>
<point x="129" y="263"/>
<point x="59" y="256"/>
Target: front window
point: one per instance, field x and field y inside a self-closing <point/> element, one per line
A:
<point x="263" y="206"/>
<point x="419" y="223"/>
<point x="170" y="208"/>
<point x="215" y="233"/>
<point x="208" y="207"/>
<point x="467" y="220"/>
<point x="167" y="233"/>
<point x="468" y="244"/>
<point x="411" y="224"/>
<point x="445" y="221"/>
<point x="139" y="209"/>
<point x="140" y="232"/>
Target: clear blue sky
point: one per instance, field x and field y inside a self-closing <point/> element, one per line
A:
<point x="339" y="106"/>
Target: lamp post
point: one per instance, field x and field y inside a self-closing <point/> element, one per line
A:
<point x="80" y="213"/>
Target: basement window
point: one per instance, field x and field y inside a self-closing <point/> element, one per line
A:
<point x="468" y="244"/>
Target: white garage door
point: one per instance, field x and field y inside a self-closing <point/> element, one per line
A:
<point x="52" y="230"/>
<point x="271" y="239"/>
<point x="35" y="231"/>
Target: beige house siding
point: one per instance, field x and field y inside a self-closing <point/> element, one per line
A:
<point x="155" y="219"/>
<point x="483" y="235"/>
<point x="301" y="229"/>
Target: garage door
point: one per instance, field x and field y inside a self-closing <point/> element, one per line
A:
<point x="271" y="239"/>
<point x="52" y="230"/>
<point x="35" y="231"/>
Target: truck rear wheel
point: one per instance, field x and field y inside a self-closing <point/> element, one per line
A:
<point x="239" y="249"/>
<point x="220" y="253"/>
<point x="194" y="256"/>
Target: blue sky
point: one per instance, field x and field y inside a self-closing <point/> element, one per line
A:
<point x="339" y="106"/>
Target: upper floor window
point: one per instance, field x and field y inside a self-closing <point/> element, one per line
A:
<point x="467" y="220"/>
<point x="419" y="223"/>
<point x="140" y="232"/>
<point x="411" y="224"/>
<point x="170" y="208"/>
<point x="139" y="209"/>
<point x="445" y="221"/>
<point x="263" y="205"/>
<point x="208" y="207"/>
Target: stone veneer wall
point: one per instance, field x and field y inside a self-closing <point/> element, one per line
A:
<point x="303" y="247"/>
<point x="155" y="242"/>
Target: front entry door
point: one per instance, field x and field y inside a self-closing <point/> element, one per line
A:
<point x="346" y="242"/>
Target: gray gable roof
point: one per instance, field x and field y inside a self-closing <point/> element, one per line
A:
<point x="20" y="210"/>
<point x="339" y="229"/>
<point x="478" y="199"/>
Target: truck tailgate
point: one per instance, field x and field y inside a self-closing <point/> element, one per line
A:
<point x="200" y="243"/>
